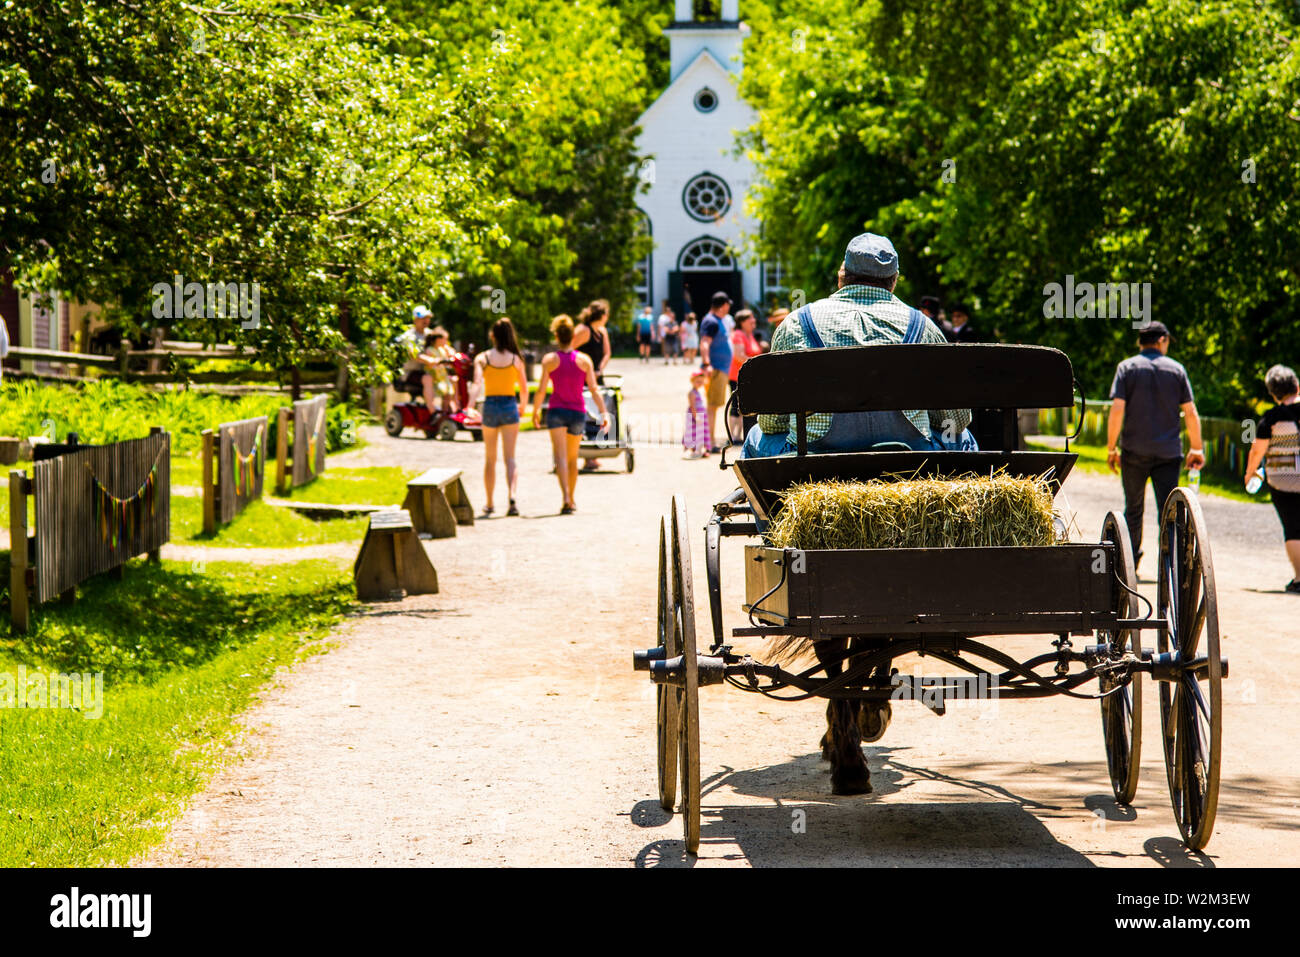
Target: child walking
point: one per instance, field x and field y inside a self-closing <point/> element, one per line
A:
<point x="696" y="437"/>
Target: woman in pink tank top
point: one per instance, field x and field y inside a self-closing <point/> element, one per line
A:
<point x="567" y="372"/>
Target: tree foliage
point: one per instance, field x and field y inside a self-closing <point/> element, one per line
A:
<point x="1004" y="147"/>
<point x="350" y="164"/>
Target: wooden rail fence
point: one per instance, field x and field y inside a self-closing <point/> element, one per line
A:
<point x="95" y="507"/>
<point x="306" y="459"/>
<point x="234" y="463"/>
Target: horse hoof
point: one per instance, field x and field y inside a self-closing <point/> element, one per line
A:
<point x="852" y="782"/>
<point x="874" y="721"/>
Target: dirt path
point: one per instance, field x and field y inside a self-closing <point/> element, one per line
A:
<point x="499" y="722"/>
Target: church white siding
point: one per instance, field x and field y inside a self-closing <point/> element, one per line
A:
<point x="684" y="143"/>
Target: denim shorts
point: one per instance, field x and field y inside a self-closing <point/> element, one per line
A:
<point x="572" y="419"/>
<point x="499" y="410"/>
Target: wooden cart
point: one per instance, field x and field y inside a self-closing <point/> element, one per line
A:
<point x="883" y="597"/>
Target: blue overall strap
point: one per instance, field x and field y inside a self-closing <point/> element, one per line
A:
<point x="915" y="327"/>
<point x="804" y="315"/>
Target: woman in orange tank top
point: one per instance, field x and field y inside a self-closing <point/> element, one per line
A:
<point x="498" y="372"/>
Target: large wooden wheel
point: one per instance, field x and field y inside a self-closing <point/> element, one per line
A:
<point x="689" y="690"/>
<point x="1121" y="709"/>
<point x="1191" y="695"/>
<point x="666" y="696"/>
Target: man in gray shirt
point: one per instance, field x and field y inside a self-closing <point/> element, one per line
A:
<point x="1149" y="392"/>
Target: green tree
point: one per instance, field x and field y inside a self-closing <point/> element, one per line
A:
<point x="1003" y="147"/>
<point x="258" y="141"/>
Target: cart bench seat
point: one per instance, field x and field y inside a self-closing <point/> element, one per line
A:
<point x="967" y="591"/>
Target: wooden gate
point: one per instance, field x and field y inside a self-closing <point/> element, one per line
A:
<point x="309" y="440"/>
<point x="95" y="507"/>
<point x="238" y="452"/>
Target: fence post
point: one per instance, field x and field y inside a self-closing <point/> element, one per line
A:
<point x="155" y="555"/>
<point x="209" y="489"/>
<point x="281" y="445"/>
<point x="19" y="610"/>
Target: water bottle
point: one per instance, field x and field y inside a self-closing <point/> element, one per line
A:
<point x="1256" y="481"/>
<point x="1194" y="480"/>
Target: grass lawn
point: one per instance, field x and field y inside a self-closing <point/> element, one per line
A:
<point x="1092" y="458"/>
<point x="181" y="654"/>
<point x="376" y="485"/>
<point x="260" y="526"/>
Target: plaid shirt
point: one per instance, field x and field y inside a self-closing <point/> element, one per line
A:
<point x="857" y="316"/>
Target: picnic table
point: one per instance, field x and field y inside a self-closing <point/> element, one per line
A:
<point x="437" y="503"/>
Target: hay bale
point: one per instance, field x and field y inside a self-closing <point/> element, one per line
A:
<point x="963" y="512"/>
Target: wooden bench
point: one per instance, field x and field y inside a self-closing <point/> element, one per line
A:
<point x="437" y="502"/>
<point x="392" y="563"/>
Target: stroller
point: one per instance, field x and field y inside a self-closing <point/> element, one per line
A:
<point x="618" y="439"/>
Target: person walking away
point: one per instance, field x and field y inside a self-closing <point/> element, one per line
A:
<point x="591" y="338"/>
<point x="499" y="376"/>
<point x="689" y="337"/>
<point x="695" y="436"/>
<point x="567" y="370"/>
<point x="715" y="350"/>
<point x="961" y="329"/>
<point x="1142" y="435"/>
<point x="644" y="336"/>
<point x="744" y="346"/>
<point x="1277" y="447"/>
<point x="668" y="333"/>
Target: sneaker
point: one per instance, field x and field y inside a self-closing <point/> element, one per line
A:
<point x="1293" y="586"/>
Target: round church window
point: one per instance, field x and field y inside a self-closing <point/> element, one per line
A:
<point x="706" y="101"/>
<point x="707" y="198"/>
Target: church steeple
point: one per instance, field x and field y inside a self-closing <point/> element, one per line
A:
<point x="712" y="25"/>
<point x="707" y="11"/>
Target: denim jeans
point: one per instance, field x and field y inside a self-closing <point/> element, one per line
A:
<point x="857" y="432"/>
<point x="1134" y="470"/>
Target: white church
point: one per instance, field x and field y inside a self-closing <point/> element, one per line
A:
<point x="697" y="182"/>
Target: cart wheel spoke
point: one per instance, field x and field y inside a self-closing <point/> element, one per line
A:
<point x="1121" y="711"/>
<point x="666" y="695"/>
<point x="689" y="714"/>
<point x="1190" y="715"/>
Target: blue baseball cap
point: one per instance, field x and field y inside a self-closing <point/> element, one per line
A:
<point x="871" y="255"/>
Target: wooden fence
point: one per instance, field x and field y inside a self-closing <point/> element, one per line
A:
<point x="1223" y="439"/>
<point x="95" y="507"/>
<point x="309" y="440"/>
<point x="170" y="363"/>
<point x="236" y="453"/>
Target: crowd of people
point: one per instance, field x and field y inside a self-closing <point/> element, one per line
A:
<point x="1151" y="395"/>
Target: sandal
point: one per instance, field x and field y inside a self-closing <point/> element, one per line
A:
<point x="566" y="509"/>
<point x="487" y="510"/>
<point x="512" y="510"/>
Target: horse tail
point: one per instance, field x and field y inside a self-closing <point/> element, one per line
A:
<point x="788" y="650"/>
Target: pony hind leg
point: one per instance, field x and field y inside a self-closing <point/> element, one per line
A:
<point x="843" y="738"/>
